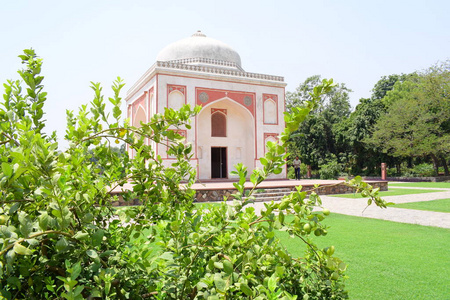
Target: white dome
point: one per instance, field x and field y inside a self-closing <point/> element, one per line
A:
<point x="199" y="46"/>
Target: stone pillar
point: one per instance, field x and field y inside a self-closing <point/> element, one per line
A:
<point x="308" y="175"/>
<point x="383" y="171"/>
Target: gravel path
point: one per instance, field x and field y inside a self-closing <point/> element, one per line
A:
<point x="358" y="207"/>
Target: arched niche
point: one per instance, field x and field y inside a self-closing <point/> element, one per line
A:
<point x="139" y="116"/>
<point x="175" y="100"/>
<point x="270" y="112"/>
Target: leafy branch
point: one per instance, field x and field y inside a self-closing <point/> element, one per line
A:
<point x="19" y="241"/>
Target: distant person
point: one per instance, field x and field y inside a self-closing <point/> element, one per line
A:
<point x="296" y="163"/>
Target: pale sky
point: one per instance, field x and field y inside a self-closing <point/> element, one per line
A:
<point x="353" y="42"/>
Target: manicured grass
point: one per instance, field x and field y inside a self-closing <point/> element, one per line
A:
<point x="437" y="185"/>
<point x="442" y="205"/>
<point x="391" y="192"/>
<point x="387" y="260"/>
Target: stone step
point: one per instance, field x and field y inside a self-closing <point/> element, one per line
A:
<point x="267" y="199"/>
<point x="278" y="190"/>
<point x="272" y="194"/>
<point x="274" y="189"/>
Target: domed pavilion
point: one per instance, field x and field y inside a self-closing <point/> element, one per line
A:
<point x="241" y="111"/>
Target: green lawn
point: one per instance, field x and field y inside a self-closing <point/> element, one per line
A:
<point x="387" y="260"/>
<point x="437" y="185"/>
<point x="442" y="205"/>
<point x="391" y="192"/>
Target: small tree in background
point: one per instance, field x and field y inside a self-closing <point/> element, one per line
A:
<point x="61" y="238"/>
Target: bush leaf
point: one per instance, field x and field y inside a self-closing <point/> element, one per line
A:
<point x="19" y="249"/>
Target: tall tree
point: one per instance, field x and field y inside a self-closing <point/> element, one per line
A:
<point x="417" y="123"/>
<point x="315" y="141"/>
<point x="359" y="126"/>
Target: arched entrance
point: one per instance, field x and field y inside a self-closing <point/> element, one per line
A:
<point x="225" y="137"/>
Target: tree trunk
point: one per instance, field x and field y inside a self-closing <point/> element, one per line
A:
<point x="410" y="163"/>
<point x="435" y="163"/>
<point x="398" y="169"/>
<point x="444" y="163"/>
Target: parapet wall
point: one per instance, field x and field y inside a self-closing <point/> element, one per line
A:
<point x="207" y="195"/>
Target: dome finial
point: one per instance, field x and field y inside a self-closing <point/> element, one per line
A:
<point x="199" y="33"/>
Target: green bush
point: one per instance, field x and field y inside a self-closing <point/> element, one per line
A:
<point x="392" y="172"/>
<point x="420" y="170"/>
<point x="61" y="239"/>
<point x="331" y="169"/>
<point x="291" y="173"/>
<point x="424" y="170"/>
<point x="303" y="171"/>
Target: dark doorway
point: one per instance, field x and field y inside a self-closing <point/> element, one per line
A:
<point x="218" y="162"/>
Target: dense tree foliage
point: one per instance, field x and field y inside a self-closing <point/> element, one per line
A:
<point x="386" y="84"/>
<point x="359" y="127"/>
<point x="316" y="141"/>
<point x="416" y="122"/>
<point x="60" y="237"/>
<point x="335" y="141"/>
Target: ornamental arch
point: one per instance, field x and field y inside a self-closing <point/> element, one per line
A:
<point x="235" y="142"/>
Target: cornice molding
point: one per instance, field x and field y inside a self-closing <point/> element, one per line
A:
<point x="173" y="67"/>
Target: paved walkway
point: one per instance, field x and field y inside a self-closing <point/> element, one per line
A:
<point x="358" y="207"/>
